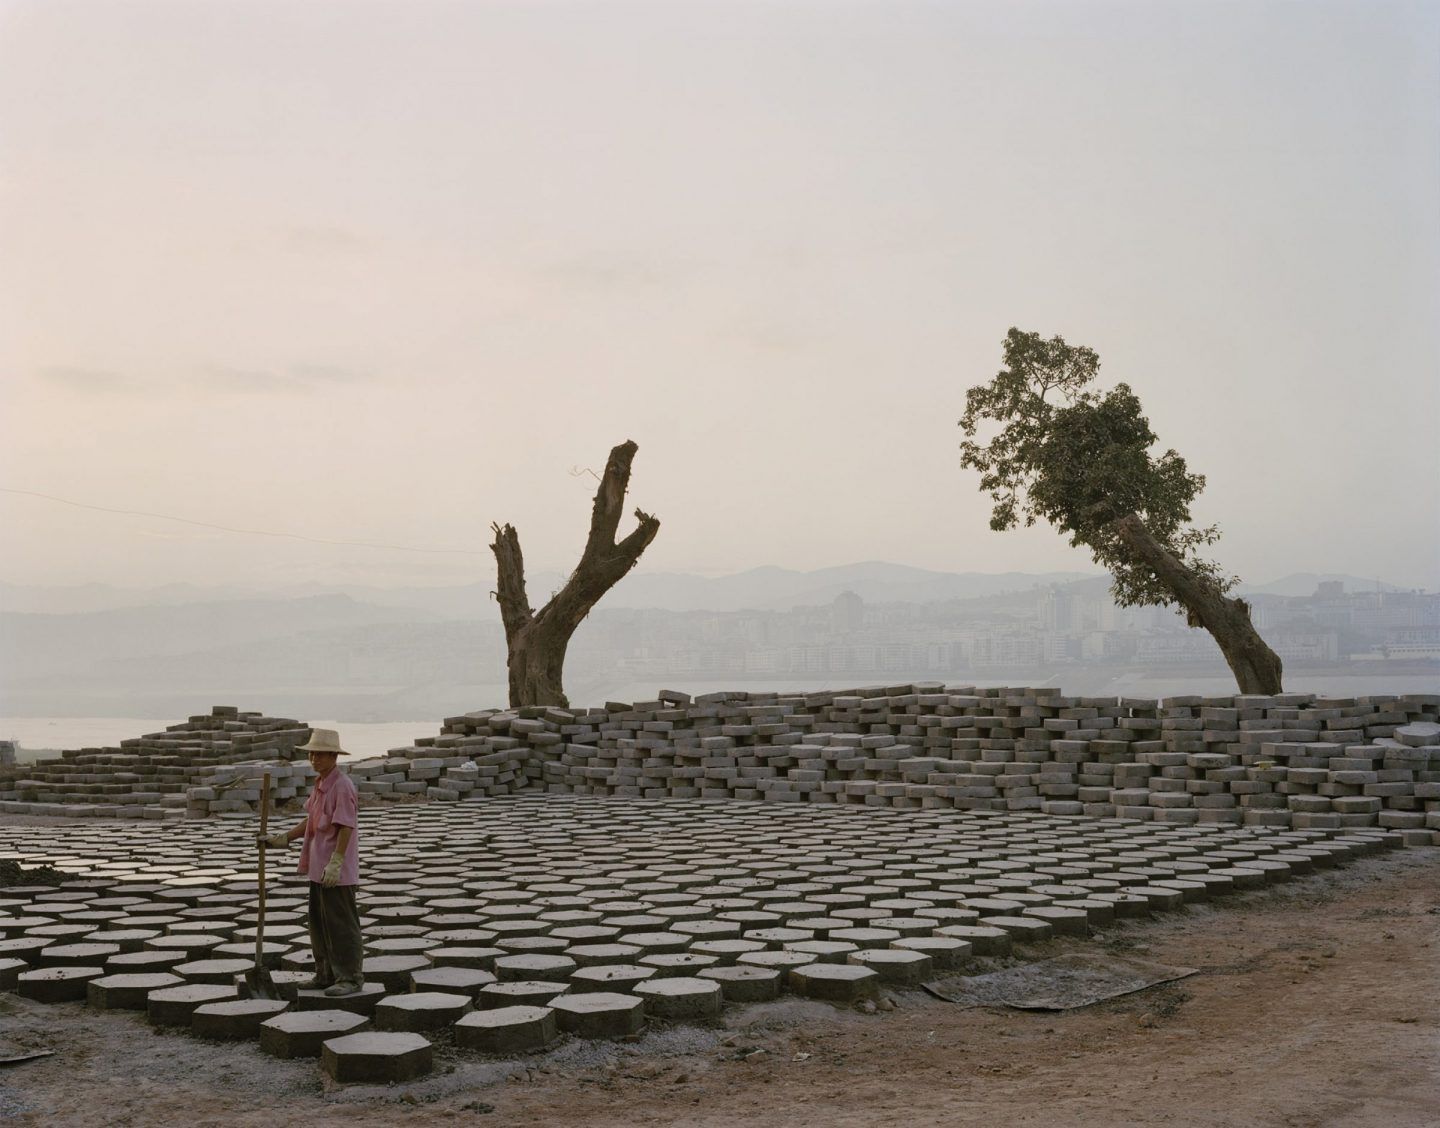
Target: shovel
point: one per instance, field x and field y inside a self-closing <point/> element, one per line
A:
<point x="257" y="979"/>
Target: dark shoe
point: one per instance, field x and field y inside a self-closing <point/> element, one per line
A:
<point x="316" y="984"/>
<point x="342" y="988"/>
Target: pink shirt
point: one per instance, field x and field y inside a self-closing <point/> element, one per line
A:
<point x="333" y="803"/>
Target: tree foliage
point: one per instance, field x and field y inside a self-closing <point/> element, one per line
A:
<point x="1079" y="458"/>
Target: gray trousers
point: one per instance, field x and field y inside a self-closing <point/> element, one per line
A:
<point x="335" y="933"/>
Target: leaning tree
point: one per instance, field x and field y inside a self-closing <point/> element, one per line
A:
<point x="1079" y="458"/>
<point x="536" y="640"/>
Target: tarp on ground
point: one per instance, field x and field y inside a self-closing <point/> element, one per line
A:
<point x="1062" y="983"/>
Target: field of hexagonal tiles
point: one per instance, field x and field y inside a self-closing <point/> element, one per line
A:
<point x="514" y="922"/>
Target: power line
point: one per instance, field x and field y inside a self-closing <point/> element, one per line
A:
<point x="242" y="532"/>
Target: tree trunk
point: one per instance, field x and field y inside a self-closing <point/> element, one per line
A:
<point x="536" y="641"/>
<point x="1257" y="668"/>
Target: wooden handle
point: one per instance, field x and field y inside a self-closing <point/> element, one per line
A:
<point x="264" y="829"/>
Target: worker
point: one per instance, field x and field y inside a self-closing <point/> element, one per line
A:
<point x="330" y="858"/>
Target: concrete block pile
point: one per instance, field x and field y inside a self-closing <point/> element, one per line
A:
<point x="235" y="788"/>
<point x="149" y="776"/>
<point x="1291" y="760"/>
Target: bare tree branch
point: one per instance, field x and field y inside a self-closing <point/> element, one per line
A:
<point x="537" y="640"/>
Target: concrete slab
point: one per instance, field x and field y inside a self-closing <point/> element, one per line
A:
<point x="834" y="983"/>
<point x="507" y="1030"/>
<point x="362" y="1001"/>
<point x="10" y="970"/>
<point x="895" y="966"/>
<point x="393" y="972"/>
<point x="600" y="1014"/>
<point x="234" y="1020"/>
<point x="377" y="1058"/>
<point x="525" y="992"/>
<point x="460" y="980"/>
<point x="523" y="968"/>
<point x="745" y="984"/>
<point x="421" y="1010"/>
<point x="173" y="1006"/>
<point x="681" y="998"/>
<point x="127" y="992"/>
<point x="297" y="1034"/>
<point x="66" y="984"/>
<point x="84" y="954"/>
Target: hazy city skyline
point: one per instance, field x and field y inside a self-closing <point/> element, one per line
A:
<point x="388" y="272"/>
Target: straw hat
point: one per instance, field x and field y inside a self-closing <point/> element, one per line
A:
<point x="324" y="740"/>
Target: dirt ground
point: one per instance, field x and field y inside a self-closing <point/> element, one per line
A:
<point x="1317" y="1003"/>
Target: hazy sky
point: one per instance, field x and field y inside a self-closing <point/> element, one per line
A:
<point x="388" y="272"/>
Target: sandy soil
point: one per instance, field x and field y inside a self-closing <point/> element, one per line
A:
<point x="1318" y="1003"/>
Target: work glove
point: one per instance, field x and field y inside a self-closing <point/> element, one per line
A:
<point x="279" y="839"/>
<point x="331" y="877"/>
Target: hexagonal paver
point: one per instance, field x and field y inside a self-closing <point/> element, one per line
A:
<point x="377" y="1058"/>
<point x="727" y="951"/>
<point x="212" y="971"/>
<point x="460" y="980"/>
<point x="530" y="968"/>
<point x="421" y="1010"/>
<point x="1069" y="922"/>
<point x="834" y="983"/>
<point x="824" y="951"/>
<point x="143" y="962"/>
<point x="507" y="1029"/>
<point x="597" y="955"/>
<point x="896" y="966"/>
<point x="776" y="961"/>
<point x="945" y="951"/>
<point x="532" y="992"/>
<point x="297" y="1034"/>
<point x="393" y="972"/>
<point x="362" y="1001"/>
<point x="173" y="1006"/>
<point x="234" y="1019"/>
<point x="459" y="955"/>
<point x="27" y="948"/>
<point x="600" y="1014"/>
<point x="610" y="977"/>
<point x="10" y="970"/>
<point x="66" y="984"/>
<point x="679" y="963"/>
<point x="984" y="939"/>
<point x="1022" y="928"/>
<point x="126" y="939"/>
<point x="741" y="984"/>
<point x="192" y="945"/>
<point x="681" y="997"/>
<point x="83" y="954"/>
<point x="127" y="991"/>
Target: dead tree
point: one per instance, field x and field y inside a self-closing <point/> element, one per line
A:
<point x="536" y="640"/>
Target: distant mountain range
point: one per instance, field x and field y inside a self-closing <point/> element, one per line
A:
<point x="766" y="588"/>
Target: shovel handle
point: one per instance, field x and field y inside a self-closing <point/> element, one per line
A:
<point x="264" y="829"/>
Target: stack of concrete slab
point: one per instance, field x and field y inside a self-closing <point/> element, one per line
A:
<point x="1291" y="760"/>
<point x="148" y="776"/>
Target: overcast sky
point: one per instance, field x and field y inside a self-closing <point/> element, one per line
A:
<point x="388" y="272"/>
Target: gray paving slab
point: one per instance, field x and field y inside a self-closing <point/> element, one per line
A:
<point x="532" y="902"/>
